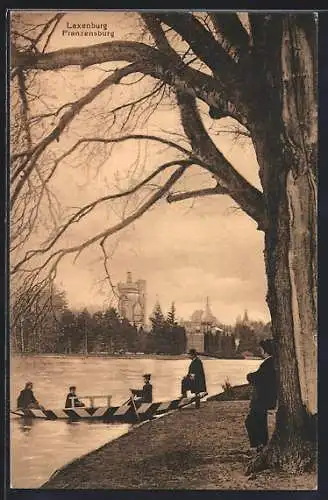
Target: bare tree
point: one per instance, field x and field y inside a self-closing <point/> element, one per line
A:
<point x="261" y="74"/>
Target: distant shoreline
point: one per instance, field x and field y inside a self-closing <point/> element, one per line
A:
<point x="127" y="356"/>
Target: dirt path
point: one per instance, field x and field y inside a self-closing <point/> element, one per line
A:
<point x="189" y="449"/>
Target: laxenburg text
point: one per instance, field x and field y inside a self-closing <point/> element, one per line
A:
<point x="92" y="25"/>
<point x="87" y="29"/>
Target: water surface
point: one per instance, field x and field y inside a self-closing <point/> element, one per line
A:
<point x="39" y="447"/>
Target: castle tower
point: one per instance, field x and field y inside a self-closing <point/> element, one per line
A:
<point x="208" y="317"/>
<point x="132" y="300"/>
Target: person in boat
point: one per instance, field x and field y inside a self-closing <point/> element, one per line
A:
<point x="144" y="395"/>
<point x="195" y="380"/>
<point x="264" y="397"/>
<point x="72" y="397"/>
<point x="26" y="398"/>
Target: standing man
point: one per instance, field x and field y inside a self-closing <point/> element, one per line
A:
<point x="194" y="381"/>
<point x="264" y="397"/>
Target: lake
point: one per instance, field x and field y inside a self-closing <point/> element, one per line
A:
<point x="40" y="447"/>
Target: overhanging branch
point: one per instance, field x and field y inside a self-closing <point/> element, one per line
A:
<point x="246" y="196"/>
<point x="232" y="35"/>
<point x="159" y="64"/>
<point x="87" y="209"/>
<point x="56" y="256"/>
<point x="155" y="29"/>
<point x="64" y="121"/>
<point x="172" y="197"/>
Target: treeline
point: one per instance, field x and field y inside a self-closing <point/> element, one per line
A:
<point x="237" y="341"/>
<point x="50" y="326"/>
<point x="249" y="333"/>
<point x="221" y="343"/>
<point x="166" y="335"/>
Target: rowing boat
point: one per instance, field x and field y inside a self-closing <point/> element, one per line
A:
<point x="123" y="413"/>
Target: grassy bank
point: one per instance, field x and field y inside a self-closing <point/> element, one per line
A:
<point x="188" y="449"/>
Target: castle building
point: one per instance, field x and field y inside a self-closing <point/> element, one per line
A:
<point x="201" y="323"/>
<point x="205" y="334"/>
<point x="132" y="300"/>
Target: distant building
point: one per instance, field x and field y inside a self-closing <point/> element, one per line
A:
<point x="132" y="300"/>
<point x="201" y="322"/>
<point x="205" y="334"/>
<point x="195" y="337"/>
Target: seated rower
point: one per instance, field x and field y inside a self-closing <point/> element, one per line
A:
<point x="144" y="395"/>
<point x="71" y="396"/>
<point x="27" y="400"/>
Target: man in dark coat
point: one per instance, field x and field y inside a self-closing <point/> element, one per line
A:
<point x="195" y="379"/>
<point x="264" y="397"/>
<point x="144" y="395"/>
<point x="26" y="398"/>
<point x="71" y="396"/>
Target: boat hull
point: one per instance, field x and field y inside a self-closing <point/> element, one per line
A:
<point x="123" y="413"/>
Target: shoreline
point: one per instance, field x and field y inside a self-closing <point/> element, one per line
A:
<point x="163" y="357"/>
<point x="188" y="449"/>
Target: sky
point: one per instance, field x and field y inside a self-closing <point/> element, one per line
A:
<point x="186" y="251"/>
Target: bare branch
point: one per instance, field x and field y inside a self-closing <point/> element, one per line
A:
<point x="232" y="35"/>
<point x="204" y="45"/>
<point x="65" y="120"/>
<point x="56" y="256"/>
<point x="47" y="25"/>
<point x="109" y="279"/>
<point x="155" y="29"/>
<point x="172" y="197"/>
<point x="57" y="19"/>
<point x="91" y="206"/>
<point x="214" y="91"/>
<point x="25" y="107"/>
<point x="129" y="137"/>
<point x="247" y="196"/>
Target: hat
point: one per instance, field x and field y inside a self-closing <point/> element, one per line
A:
<point x="193" y="352"/>
<point x="146" y="375"/>
<point x="268" y="345"/>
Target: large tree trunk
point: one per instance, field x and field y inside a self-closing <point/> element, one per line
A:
<point x="290" y="263"/>
<point x="286" y="149"/>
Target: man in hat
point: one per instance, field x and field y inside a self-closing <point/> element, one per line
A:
<point x="264" y="397"/>
<point x="194" y="381"/>
<point x="144" y="395"/>
<point x="26" y="398"/>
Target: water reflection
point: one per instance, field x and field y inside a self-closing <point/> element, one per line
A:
<point x="72" y="421"/>
<point x="25" y="424"/>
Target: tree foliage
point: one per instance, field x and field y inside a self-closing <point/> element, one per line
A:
<point x="166" y="335"/>
<point x="35" y="325"/>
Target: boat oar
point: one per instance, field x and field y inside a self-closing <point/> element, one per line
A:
<point x="134" y="406"/>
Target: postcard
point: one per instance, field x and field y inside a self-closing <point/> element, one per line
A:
<point x="163" y="250"/>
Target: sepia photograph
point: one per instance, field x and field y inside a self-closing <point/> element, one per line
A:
<point x="162" y="267"/>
